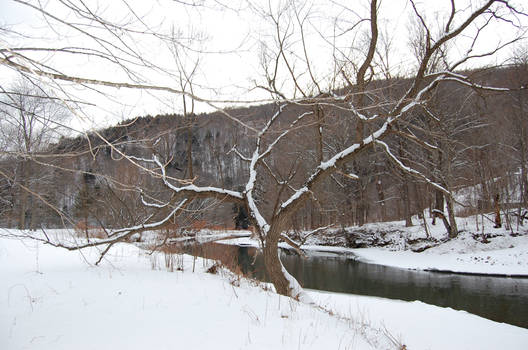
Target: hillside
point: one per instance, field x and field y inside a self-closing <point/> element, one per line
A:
<point x="477" y="138"/>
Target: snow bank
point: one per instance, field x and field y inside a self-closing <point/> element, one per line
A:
<point x="500" y="254"/>
<point x="506" y="256"/>
<point x="423" y="326"/>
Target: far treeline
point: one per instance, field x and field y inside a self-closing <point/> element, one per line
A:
<point x="470" y="140"/>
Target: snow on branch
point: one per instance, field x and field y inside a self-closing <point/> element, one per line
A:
<point x="152" y="205"/>
<point x="362" y="116"/>
<point x="355" y="147"/>
<point x="142" y="227"/>
<point x="295" y="197"/>
<point x="350" y="176"/>
<point x="319" y="229"/>
<point x="139" y="159"/>
<point x="273" y="175"/>
<point x="411" y="171"/>
<point x="270" y="147"/>
<point x="292" y="243"/>
<point x="411" y="99"/>
<point x="250" y="186"/>
<point x="209" y="191"/>
<point x="415" y="139"/>
<point x="270" y="122"/>
<point x="237" y="152"/>
<point x="325" y="166"/>
<point x="205" y="191"/>
<point x="114" y="237"/>
<point x="465" y="81"/>
<point x="304" y="237"/>
<point x="256" y="158"/>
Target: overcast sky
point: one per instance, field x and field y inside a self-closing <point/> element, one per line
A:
<point x="235" y="37"/>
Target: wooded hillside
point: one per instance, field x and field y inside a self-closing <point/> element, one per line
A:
<point x="461" y="137"/>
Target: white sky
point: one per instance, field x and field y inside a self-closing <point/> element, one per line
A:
<point x="237" y="31"/>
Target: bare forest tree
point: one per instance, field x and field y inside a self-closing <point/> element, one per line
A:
<point x="30" y="121"/>
<point x="308" y="99"/>
<point x="519" y="131"/>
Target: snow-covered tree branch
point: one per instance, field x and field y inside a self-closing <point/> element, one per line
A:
<point x="330" y="105"/>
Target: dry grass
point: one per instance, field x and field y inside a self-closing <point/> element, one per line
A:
<point x="82" y="229"/>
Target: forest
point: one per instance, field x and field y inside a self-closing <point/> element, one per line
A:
<point x="463" y="139"/>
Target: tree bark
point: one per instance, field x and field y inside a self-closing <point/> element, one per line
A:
<point x="452" y="220"/>
<point x="274" y="266"/>
<point x="381" y="199"/>
<point x="406" y="202"/>
<point x="189" y="150"/>
<point x="439" y="204"/>
<point x="498" y="221"/>
<point x="23" y="195"/>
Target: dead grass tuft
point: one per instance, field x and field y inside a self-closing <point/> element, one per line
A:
<point x="82" y="229"/>
<point x="214" y="268"/>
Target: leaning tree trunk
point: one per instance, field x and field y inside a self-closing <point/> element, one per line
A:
<point x="274" y="266"/>
<point x="283" y="282"/>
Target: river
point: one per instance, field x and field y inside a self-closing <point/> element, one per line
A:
<point x="501" y="299"/>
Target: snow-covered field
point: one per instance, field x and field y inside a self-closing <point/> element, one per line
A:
<point x="55" y="299"/>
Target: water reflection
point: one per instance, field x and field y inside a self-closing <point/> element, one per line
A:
<point x="496" y="298"/>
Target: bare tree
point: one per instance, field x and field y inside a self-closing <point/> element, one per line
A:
<point x="519" y="115"/>
<point x="30" y="120"/>
<point x="303" y="107"/>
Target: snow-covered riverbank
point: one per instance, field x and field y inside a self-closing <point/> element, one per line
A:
<point x="499" y="254"/>
<point x="54" y="299"/>
<point x="504" y="255"/>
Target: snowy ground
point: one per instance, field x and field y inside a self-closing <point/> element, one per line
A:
<point x="55" y="299"/>
<point x="502" y="256"/>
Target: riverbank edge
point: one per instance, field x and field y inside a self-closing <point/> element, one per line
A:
<point x="356" y="254"/>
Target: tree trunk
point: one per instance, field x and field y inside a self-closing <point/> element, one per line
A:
<point x="406" y="202"/>
<point x="404" y="189"/>
<point x="33" y="217"/>
<point x="453" y="232"/>
<point x="319" y="125"/>
<point x="274" y="266"/>
<point x="498" y="221"/>
<point x="439" y="204"/>
<point x="23" y="195"/>
<point x="22" y="209"/>
<point x="361" y="206"/>
<point x="189" y="151"/>
<point x="283" y="282"/>
<point x="381" y="200"/>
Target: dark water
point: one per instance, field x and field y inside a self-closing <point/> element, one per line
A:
<point x="500" y="299"/>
